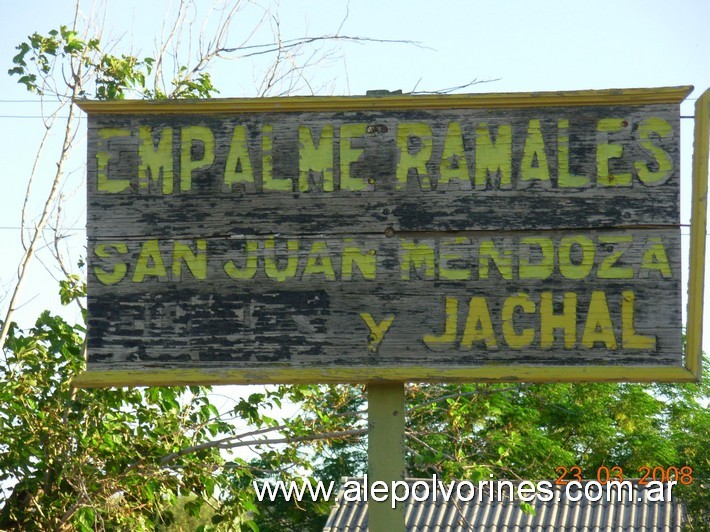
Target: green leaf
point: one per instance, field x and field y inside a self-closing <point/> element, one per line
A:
<point x="527" y="508"/>
<point x="85" y="519"/>
<point x="193" y="507"/>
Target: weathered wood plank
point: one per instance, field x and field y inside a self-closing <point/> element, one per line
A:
<point x="307" y="301"/>
<point x="452" y="171"/>
<point x="136" y="217"/>
<point x="448" y="238"/>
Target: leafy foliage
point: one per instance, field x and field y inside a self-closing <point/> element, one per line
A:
<point x="42" y="53"/>
<point x="84" y="458"/>
<point x="482" y="431"/>
<point x="526" y="431"/>
<point x="149" y="458"/>
<point x="114" y="77"/>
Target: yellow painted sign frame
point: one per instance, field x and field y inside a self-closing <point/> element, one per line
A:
<point x="689" y="371"/>
<point x="698" y="231"/>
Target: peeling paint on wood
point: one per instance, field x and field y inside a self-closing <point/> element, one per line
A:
<point x="415" y="237"/>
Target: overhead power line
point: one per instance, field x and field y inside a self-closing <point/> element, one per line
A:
<point x="29" y="116"/>
<point x="47" y="101"/>
<point x="689" y="117"/>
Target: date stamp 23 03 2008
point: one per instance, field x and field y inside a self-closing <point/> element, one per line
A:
<point x="645" y="474"/>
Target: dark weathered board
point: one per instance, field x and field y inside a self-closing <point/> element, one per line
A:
<point x="414" y="237"/>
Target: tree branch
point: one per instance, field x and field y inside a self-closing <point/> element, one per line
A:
<point x="269" y="48"/>
<point x="226" y="444"/>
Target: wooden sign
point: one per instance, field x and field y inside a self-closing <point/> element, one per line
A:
<point x="508" y="237"/>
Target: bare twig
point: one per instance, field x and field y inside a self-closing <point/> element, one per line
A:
<point x="158" y="75"/>
<point x="454" y="89"/>
<point x="41" y="224"/>
<point x="272" y="47"/>
<point x="231" y="443"/>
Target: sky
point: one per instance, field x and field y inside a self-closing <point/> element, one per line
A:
<point x="510" y="46"/>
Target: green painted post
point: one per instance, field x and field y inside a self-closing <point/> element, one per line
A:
<point x="385" y="452"/>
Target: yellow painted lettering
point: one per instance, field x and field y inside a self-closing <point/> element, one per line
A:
<point x="420" y="257"/>
<point x="155" y="163"/>
<point x="607" y="151"/>
<point x="534" y="164"/>
<point x="118" y="273"/>
<point x="445" y="272"/>
<point x="655" y="258"/>
<point x="377" y="330"/>
<point x="565" y="179"/>
<point x="598" y="327"/>
<point x="551" y="321"/>
<point x="150" y="262"/>
<point x="319" y="261"/>
<point x="417" y="161"/>
<point x="271" y="266"/>
<point x="350" y="155"/>
<point x="315" y="158"/>
<point x="630" y="339"/>
<point x="494" y="158"/>
<point x="450" y="325"/>
<point x="190" y="138"/>
<point x="527" y="269"/>
<point x="648" y="129"/>
<point x="269" y="182"/>
<point x="366" y="261"/>
<point x="582" y="268"/>
<point x="478" y="324"/>
<point x="453" y="165"/>
<point x="249" y="269"/>
<point x="487" y="253"/>
<point x="239" y="170"/>
<point x="196" y="261"/>
<point x="608" y="268"/>
<point x="511" y="336"/>
<point x="104" y="182"/>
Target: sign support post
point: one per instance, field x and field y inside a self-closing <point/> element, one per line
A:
<point x="385" y="453"/>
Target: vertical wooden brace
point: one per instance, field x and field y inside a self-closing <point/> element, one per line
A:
<point x="698" y="229"/>
<point x="386" y="452"/>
